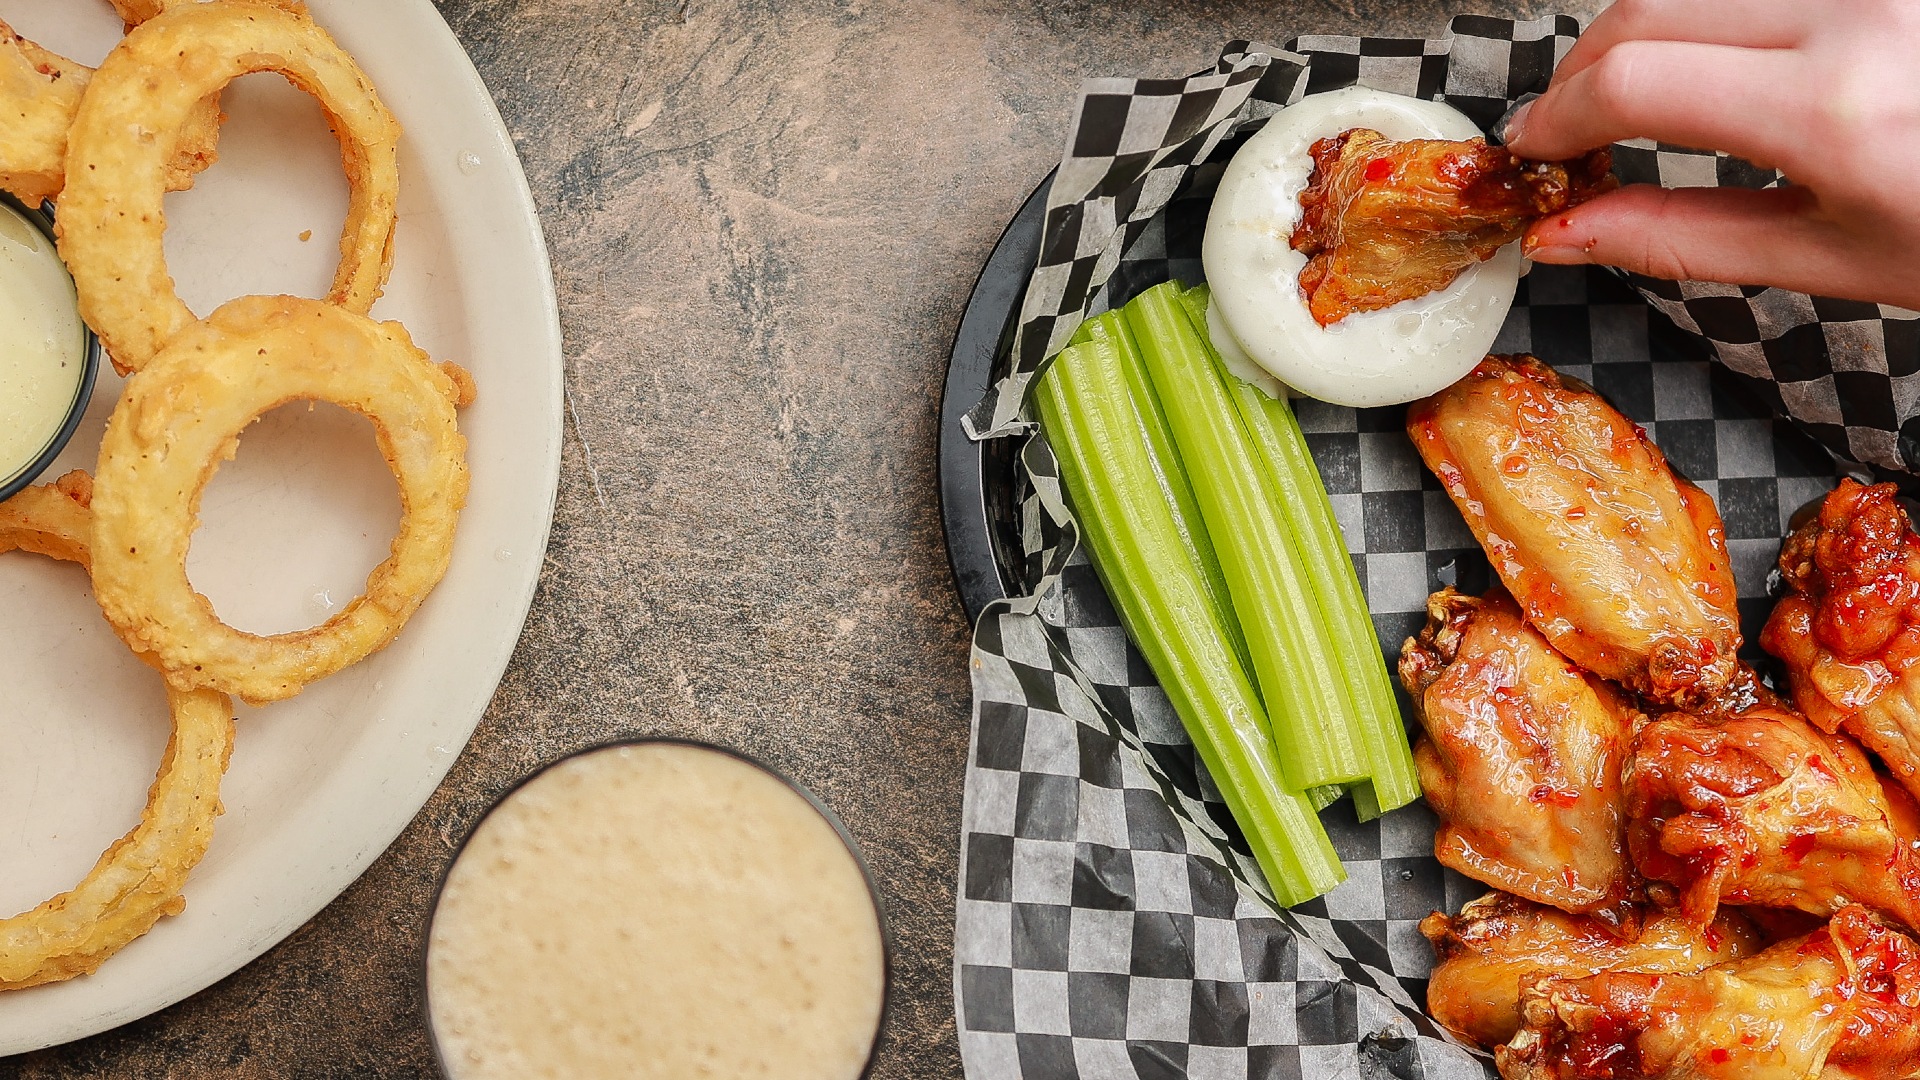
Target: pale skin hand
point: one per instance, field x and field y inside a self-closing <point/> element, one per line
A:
<point x="1828" y="92"/>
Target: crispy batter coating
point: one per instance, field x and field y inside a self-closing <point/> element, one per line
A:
<point x="138" y="880"/>
<point x="112" y="219"/>
<point x="182" y="415"/>
<point x="40" y="93"/>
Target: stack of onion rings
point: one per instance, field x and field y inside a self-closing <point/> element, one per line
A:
<point x="138" y="880"/>
<point x="140" y="125"/>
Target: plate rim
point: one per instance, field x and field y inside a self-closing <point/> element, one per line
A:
<point x="514" y="225"/>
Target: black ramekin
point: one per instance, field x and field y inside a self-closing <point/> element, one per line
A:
<point x="42" y="219"/>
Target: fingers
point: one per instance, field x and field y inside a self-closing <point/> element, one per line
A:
<point x="1750" y="24"/>
<point x="1676" y="92"/>
<point x="1728" y="235"/>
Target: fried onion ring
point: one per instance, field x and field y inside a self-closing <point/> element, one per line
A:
<point x="183" y="414"/>
<point x="138" y="880"/>
<point x="40" y="92"/>
<point x="111" y="221"/>
<point x="135" y="12"/>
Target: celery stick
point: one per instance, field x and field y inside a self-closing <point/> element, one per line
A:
<point x="1366" y="802"/>
<point x="1322" y="797"/>
<point x="1309" y="513"/>
<point x="1295" y="482"/>
<point x="1128" y="527"/>
<point x="1293" y="662"/>
<point x="1110" y="329"/>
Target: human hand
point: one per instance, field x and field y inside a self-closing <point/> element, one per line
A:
<point x="1828" y="93"/>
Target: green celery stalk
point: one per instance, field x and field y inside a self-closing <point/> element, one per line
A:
<point x="1110" y="328"/>
<point x="1322" y="797"/>
<point x="1297" y="490"/>
<point x="1300" y="679"/>
<point x="1138" y="551"/>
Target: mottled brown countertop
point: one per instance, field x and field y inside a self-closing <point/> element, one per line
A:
<point x="765" y="218"/>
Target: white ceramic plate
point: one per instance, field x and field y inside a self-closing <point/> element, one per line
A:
<point x="320" y="784"/>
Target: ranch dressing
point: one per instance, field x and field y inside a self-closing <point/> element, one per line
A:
<point x="657" y="911"/>
<point x="42" y="343"/>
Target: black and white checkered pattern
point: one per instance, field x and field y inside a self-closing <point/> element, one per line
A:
<point x="1111" y="922"/>
<point x="1847" y="371"/>
<point x="1103" y="879"/>
<point x="1133" y="140"/>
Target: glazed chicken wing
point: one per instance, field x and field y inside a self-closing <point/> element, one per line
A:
<point x="1499" y="940"/>
<point x="1849" y="632"/>
<point x="1620" y="563"/>
<point x="1386" y="221"/>
<point x="1521" y="757"/>
<point x="1765" y="809"/>
<point x="1842" y="1003"/>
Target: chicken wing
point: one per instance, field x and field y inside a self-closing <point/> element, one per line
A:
<point x="1842" y="1003"/>
<point x="1620" y="563"/>
<point x="1765" y="809"/>
<point x="1386" y="221"/>
<point x="1849" y="632"/>
<point x="1497" y="940"/>
<point x="1521" y="757"/>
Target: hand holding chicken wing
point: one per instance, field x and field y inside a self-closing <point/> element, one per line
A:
<point x="1620" y="563"/>
<point x="1849" y="632"/>
<point x="1765" y="809"/>
<point x="1842" y="1003"/>
<point x="1498" y="941"/>
<point x="1521" y="757"/>
<point x="1385" y="221"/>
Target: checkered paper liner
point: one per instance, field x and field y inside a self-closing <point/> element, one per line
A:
<point x="1111" y="922"/>
<point x="1848" y="371"/>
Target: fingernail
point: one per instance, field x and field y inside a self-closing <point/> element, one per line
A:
<point x="1512" y="125"/>
<point x="1550" y="251"/>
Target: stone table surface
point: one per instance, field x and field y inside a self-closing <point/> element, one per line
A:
<point x="764" y="218"/>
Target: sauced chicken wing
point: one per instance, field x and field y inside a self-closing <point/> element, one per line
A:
<point x="1386" y="221"/>
<point x="1522" y="755"/>
<point x="1842" y="1003"/>
<point x="1765" y="809"/>
<point x="1620" y="563"/>
<point x="1498" y="940"/>
<point x="1849" y="632"/>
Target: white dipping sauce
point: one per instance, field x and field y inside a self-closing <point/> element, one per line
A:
<point x="1399" y="353"/>
<point x="43" y="343"/>
<point x="655" y="911"/>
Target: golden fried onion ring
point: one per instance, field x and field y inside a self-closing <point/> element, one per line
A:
<point x="111" y="219"/>
<point x="40" y="92"/>
<point x="183" y="414"/>
<point x="137" y="880"/>
<point x="135" y="12"/>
